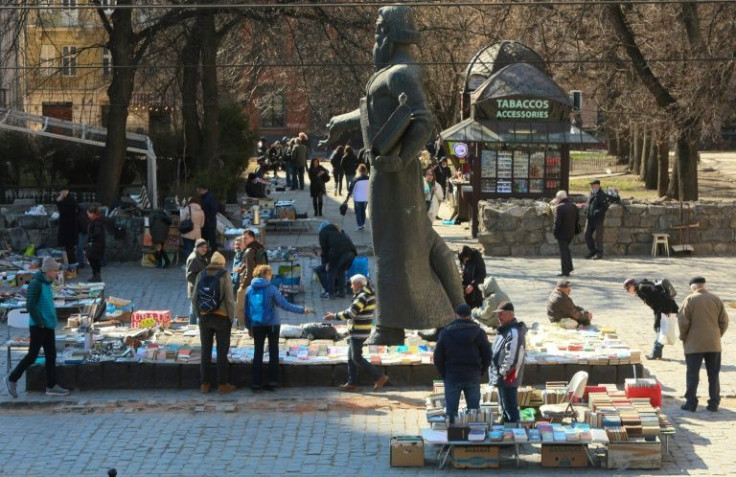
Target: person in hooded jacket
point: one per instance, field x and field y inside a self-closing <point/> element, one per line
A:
<point x="659" y="300"/>
<point x="262" y="321"/>
<point x="492" y="297"/>
<point x="349" y="164"/>
<point x="507" y="361"/>
<point x="473" y="273"/>
<point x="461" y="354"/>
<point x="337" y="254"/>
<point x="215" y="325"/>
<point x="95" y="242"/>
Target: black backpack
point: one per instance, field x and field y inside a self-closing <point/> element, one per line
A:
<point x="261" y="256"/>
<point x="208" y="291"/>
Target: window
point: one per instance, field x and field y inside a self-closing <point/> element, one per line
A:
<point x="69" y="14"/>
<point x="69" y="60"/>
<point x="273" y="110"/>
<point x="47" y="60"/>
<point x="106" y="62"/>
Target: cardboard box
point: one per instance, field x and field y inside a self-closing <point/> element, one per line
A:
<point x="634" y="455"/>
<point x="476" y="457"/>
<point x="407" y="451"/>
<point x="150" y="318"/>
<point x="564" y="455"/>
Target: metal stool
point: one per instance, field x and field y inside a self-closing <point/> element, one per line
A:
<point x="660" y="239"/>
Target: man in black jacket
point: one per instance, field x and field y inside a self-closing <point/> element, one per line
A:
<point x="659" y="300"/>
<point x="337" y="254"/>
<point x="461" y="355"/>
<point x="566" y="225"/>
<point x="473" y="273"/>
<point x="597" y="207"/>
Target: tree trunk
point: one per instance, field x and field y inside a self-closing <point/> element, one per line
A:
<point x="211" y="110"/>
<point x="650" y="172"/>
<point x="646" y="139"/>
<point x="119" y="94"/>
<point x="637" y="146"/>
<point x="686" y="153"/>
<point x="663" y="156"/>
<point x="189" y="86"/>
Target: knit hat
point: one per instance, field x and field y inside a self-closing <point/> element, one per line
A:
<point x="563" y="283"/>
<point x="629" y="283"/>
<point x="697" y="280"/>
<point x="463" y="310"/>
<point x="199" y="242"/>
<point x="323" y="225"/>
<point x="217" y="259"/>
<point x="49" y="264"/>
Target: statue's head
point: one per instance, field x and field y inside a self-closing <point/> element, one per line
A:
<point x="395" y="25"/>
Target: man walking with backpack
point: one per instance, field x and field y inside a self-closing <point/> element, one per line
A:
<point x="213" y="303"/>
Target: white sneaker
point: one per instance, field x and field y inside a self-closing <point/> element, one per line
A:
<point x="57" y="391"/>
<point x="12" y="387"/>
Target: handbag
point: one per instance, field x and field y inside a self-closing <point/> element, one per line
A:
<point x="324" y="176"/>
<point x="667" y="329"/>
<point x="186" y="225"/>
<point x="344" y="207"/>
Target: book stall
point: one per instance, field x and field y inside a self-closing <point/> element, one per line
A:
<point x="16" y="271"/>
<point x="611" y="427"/>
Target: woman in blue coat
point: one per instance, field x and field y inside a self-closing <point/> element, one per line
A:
<point x="262" y="321"/>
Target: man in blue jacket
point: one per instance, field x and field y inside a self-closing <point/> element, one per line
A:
<point x="507" y="363"/>
<point x="461" y="355"/>
<point x="42" y="325"/>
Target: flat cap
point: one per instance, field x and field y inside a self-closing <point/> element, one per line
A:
<point x="505" y="306"/>
<point x="695" y="280"/>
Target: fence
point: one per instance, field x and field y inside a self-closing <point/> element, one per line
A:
<point x="595" y="164"/>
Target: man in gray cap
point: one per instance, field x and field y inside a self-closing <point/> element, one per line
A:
<point x="702" y="320"/>
<point x="597" y="207"/>
<point x="461" y="355"/>
<point x="42" y="323"/>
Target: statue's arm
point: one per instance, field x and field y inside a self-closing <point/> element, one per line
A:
<point x="341" y="124"/>
<point x="419" y="131"/>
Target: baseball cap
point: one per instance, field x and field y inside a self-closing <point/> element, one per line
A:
<point x="505" y="306"/>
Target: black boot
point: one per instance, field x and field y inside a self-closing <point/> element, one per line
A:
<point x="319" y="208"/>
<point x="316" y="210"/>
<point x="383" y="335"/>
<point x="656" y="351"/>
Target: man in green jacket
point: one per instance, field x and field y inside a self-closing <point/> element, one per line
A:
<point x="42" y="325"/>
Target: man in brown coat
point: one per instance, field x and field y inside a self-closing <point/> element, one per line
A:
<point x="702" y="320"/>
<point x="561" y="306"/>
<point x="246" y="272"/>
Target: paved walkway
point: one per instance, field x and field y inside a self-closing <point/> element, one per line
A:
<point x="319" y="431"/>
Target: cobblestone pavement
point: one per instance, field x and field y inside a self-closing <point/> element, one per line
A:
<point x="322" y="432"/>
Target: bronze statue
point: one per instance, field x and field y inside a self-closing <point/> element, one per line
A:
<point x="417" y="280"/>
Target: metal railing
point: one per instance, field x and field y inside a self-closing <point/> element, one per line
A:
<point x="595" y="164"/>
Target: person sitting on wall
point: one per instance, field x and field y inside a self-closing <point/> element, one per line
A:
<point x="562" y="310"/>
<point x="256" y="186"/>
<point x="493" y="296"/>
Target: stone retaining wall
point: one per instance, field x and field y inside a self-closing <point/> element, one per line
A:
<point x="524" y="227"/>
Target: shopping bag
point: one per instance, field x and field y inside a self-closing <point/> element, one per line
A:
<point x="667" y="329"/>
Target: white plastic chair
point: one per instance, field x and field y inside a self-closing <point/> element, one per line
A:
<point x="575" y="391"/>
<point x="18" y="319"/>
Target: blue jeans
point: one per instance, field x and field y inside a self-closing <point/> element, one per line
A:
<point x="692" y="377"/>
<point x="508" y="398"/>
<point x="289" y="175"/>
<point x="187" y="247"/>
<point x="452" y="396"/>
<point x="350" y="178"/>
<point x="360" y="212"/>
<point x="192" y="315"/>
<point x="327" y="280"/>
<point x="356" y="359"/>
